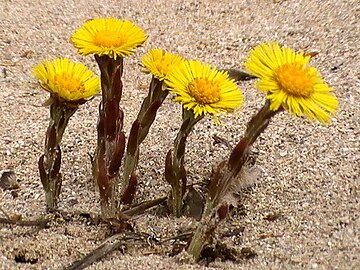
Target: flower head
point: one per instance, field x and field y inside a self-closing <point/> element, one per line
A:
<point x="67" y="80"/>
<point x="291" y="83"/>
<point x="203" y="89"/>
<point x="159" y="62"/>
<point x="108" y="36"/>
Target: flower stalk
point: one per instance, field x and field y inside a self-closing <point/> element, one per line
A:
<point x="50" y="162"/>
<point x="111" y="138"/>
<point x="157" y="62"/>
<point x="175" y="173"/>
<point x="202" y="90"/>
<point x="139" y="130"/>
<point x="110" y="40"/>
<point x="70" y="84"/>
<point x="226" y="172"/>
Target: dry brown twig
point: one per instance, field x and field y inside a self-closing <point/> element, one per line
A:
<point x="112" y="243"/>
<point x="40" y="222"/>
<point x="116" y="241"/>
<point x="141" y="207"/>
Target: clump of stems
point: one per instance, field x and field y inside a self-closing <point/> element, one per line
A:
<point x="175" y="173"/>
<point x="50" y="162"/>
<point x="111" y="138"/>
<point x="139" y="130"/>
<point x="224" y="176"/>
<point x="70" y="84"/>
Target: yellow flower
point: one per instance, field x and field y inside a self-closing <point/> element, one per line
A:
<point x="291" y="83"/>
<point x="108" y="36"/>
<point x="203" y="89"/>
<point x="158" y="62"/>
<point x="67" y="80"/>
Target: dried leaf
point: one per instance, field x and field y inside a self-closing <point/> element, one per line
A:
<point x="8" y="180"/>
<point x="273" y="216"/>
<point x="238" y="75"/>
<point x="247" y="253"/>
<point x="220" y="251"/>
<point x="194" y="203"/>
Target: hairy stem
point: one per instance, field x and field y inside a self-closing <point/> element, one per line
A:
<point x="111" y="139"/>
<point x="175" y="173"/>
<point x="141" y="126"/>
<point x="50" y="162"/>
<point x="226" y="172"/>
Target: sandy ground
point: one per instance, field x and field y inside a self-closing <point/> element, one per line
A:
<point x="308" y="173"/>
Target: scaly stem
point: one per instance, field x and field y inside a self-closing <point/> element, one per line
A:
<point x="226" y="172"/>
<point x="111" y="139"/>
<point x="141" y="126"/>
<point x="206" y="225"/>
<point x="175" y="173"/>
<point x="50" y="162"/>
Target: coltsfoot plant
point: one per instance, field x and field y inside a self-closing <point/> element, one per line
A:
<point x="158" y="63"/>
<point x="202" y="90"/>
<point x="110" y="40"/>
<point x="70" y="85"/>
<point x="291" y="85"/>
<point x="285" y="76"/>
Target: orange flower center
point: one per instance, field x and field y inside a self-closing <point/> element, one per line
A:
<point x="295" y="80"/>
<point x="69" y="83"/>
<point x="204" y="91"/>
<point x="108" y="38"/>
